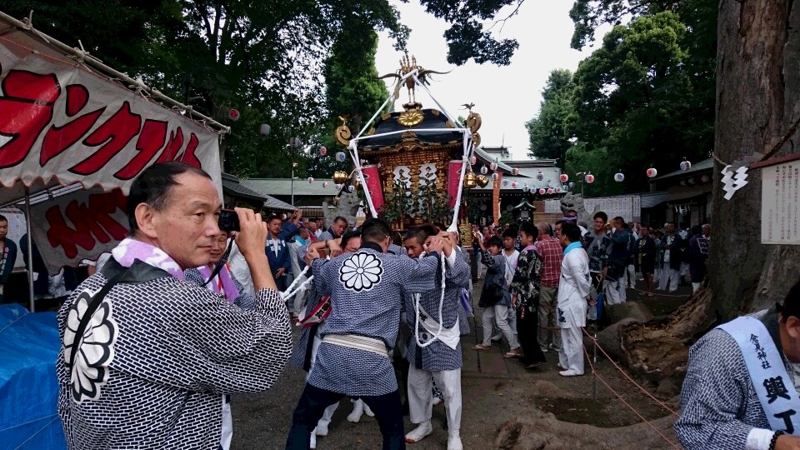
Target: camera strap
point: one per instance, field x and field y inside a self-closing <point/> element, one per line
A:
<point x="221" y="263"/>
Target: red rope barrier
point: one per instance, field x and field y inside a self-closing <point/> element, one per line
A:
<point x="663" y="405"/>
<point x="597" y="375"/>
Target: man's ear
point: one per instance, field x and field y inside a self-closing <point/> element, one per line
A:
<point x="146" y="219"/>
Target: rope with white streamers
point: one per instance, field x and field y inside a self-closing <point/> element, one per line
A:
<point x="435" y="336"/>
<point x="291" y="291"/>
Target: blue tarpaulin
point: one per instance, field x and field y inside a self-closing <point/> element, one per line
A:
<point x="29" y="346"/>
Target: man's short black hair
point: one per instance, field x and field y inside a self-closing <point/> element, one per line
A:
<point x="340" y="218"/>
<point x="153" y="187"/>
<point x="562" y="222"/>
<point x="274" y="217"/>
<point x="571" y="231"/>
<point x="494" y="241"/>
<point x="510" y="232"/>
<point x="420" y="233"/>
<point x="3" y="218"/>
<point x="791" y="304"/>
<point x="621" y="221"/>
<point x="396" y="238"/>
<point x="601" y="215"/>
<point x="375" y="230"/>
<point x="349" y="235"/>
<point x="529" y="229"/>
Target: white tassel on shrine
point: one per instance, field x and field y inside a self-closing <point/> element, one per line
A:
<point x="438" y="333"/>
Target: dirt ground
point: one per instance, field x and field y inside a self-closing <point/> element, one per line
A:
<point x="496" y="392"/>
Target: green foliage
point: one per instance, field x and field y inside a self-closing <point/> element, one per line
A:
<point x="547" y="131"/>
<point x="644" y="98"/>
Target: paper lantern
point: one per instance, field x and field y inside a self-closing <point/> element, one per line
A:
<point x="338" y="186"/>
<point x="234" y="114"/>
<point x="589" y="178"/>
<point x="264" y="129"/>
<point x="310" y="180"/>
<point x="513" y="184"/>
<point x="325" y="184"/>
<point x="323" y="151"/>
<point x="542" y="191"/>
<point x="493" y="166"/>
<point x="515" y="171"/>
<point x="540" y="176"/>
<point x="351" y="188"/>
<point x="558" y="190"/>
<point x="571" y="185"/>
<point x="550" y="191"/>
<point x="341" y="157"/>
<point x="494" y="176"/>
<point x="505" y="183"/>
<point x="685" y="165"/>
<point x="484" y="170"/>
<point x="652" y="173"/>
<point x="705" y="178"/>
<point x="473" y="160"/>
<point x="525" y="188"/>
<point x="564" y="178"/>
<point x="619" y="177"/>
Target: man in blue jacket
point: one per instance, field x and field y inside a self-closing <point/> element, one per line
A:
<point x="278" y="252"/>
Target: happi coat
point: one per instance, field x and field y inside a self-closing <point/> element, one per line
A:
<point x="438" y="356"/>
<point x="573" y="288"/>
<point x="366" y="290"/>
<point x="161" y="355"/>
<point x="719" y="402"/>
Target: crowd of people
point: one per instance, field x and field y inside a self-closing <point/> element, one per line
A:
<point x="182" y="314"/>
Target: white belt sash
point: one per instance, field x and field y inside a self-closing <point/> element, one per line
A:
<point x="774" y="387"/>
<point x="449" y="336"/>
<point x="355" y="341"/>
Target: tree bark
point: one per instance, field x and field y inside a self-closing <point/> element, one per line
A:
<point x="758" y="97"/>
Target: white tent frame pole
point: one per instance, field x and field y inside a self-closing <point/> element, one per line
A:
<point x="29" y="238"/>
<point x="86" y="58"/>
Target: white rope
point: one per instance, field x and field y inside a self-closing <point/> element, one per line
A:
<point x="453" y="118"/>
<point x="288" y="292"/>
<point x="286" y="295"/>
<point x="391" y="94"/>
<point x="465" y="159"/>
<point x="438" y="333"/>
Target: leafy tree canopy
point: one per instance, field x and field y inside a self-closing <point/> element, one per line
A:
<point x="547" y="131"/>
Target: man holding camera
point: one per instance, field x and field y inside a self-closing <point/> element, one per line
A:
<point x="147" y="357"/>
<point x="366" y="289"/>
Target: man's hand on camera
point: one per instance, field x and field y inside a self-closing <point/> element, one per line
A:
<point x="251" y="240"/>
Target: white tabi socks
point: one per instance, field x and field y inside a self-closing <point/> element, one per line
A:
<point x="454" y="441"/>
<point x="359" y="408"/>
<point x="419" y="433"/>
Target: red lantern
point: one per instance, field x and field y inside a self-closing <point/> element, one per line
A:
<point x="651" y="173"/>
<point x="564" y="178"/>
<point x="550" y="191"/>
<point x="323" y="151"/>
<point x="493" y="166"/>
<point x="234" y="114"/>
<point x="590" y="178"/>
<point x="542" y="191"/>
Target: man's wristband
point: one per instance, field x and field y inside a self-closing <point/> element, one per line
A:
<point x="775" y="439"/>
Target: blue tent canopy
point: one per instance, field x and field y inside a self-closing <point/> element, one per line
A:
<point x="28" y="387"/>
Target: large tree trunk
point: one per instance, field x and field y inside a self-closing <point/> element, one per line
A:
<point x="758" y="98"/>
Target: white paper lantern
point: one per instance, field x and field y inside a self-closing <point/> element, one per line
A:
<point x="571" y="185"/>
<point x="525" y="188"/>
<point x="550" y="191"/>
<point x="264" y="129"/>
<point x="494" y="177"/>
<point x="685" y="165"/>
<point x="341" y="157"/>
<point x="564" y="178"/>
<point x="652" y="173"/>
<point x="515" y="171"/>
<point x="310" y="180"/>
<point x="323" y="151"/>
<point x="619" y="177"/>
<point x="589" y="178"/>
<point x="325" y="184"/>
<point x="351" y="188"/>
<point x="484" y="170"/>
<point x="540" y="176"/>
<point x="493" y="166"/>
<point x="542" y="191"/>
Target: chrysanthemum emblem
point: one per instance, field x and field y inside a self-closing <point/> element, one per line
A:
<point x="95" y="348"/>
<point x="361" y="272"/>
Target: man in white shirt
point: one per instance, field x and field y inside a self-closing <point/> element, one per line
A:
<point x="573" y="292"/>
<point x="511" y="256"/>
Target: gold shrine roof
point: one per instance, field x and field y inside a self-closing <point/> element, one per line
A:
<point x="414" y="121"/>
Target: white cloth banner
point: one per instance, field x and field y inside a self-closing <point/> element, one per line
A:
<point x="62" y="124"/>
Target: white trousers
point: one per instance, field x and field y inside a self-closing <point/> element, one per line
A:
<point x="497" y="314"/>
<point x="669" y="276"/>
<point x="420" y="400"/>
<point x="571" y="354"/>
<point x="227" y="425"/>
<point x="612" y="290"/>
